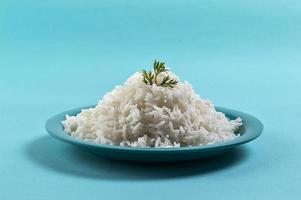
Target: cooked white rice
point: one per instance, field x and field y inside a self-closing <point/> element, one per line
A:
<point x="140" y="115"/>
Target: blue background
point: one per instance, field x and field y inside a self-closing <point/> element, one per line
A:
<point x="60" y="54"/>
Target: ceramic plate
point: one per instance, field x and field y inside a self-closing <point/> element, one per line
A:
<point x="250" y="130"/>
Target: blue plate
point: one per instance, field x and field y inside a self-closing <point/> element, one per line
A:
<point x="250" y="130"/>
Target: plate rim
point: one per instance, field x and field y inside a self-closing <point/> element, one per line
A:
<point x="55" y="129"/>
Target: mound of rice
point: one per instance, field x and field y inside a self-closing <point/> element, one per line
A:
<point x="140" y="115"/>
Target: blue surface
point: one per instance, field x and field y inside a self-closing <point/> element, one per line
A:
<point x="57" y="55"/>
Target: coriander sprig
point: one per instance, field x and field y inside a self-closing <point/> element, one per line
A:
<point x="168" y="82"/>
<point x="150" y="77"/>
<point x="147" y="77"/>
